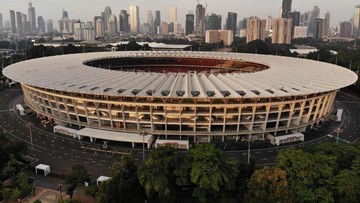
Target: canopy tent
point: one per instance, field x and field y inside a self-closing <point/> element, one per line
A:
<point x="115" y="136"/>
<point x="65" y="131"/>
<point x="45" y="168"/>
<point x="179" y="144"/>
<point x="102" y="179"/>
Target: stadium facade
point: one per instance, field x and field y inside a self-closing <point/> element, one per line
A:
<point x="198" y="96"/>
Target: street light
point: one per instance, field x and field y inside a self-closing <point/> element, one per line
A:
<point x="338" y="131"/>
<point x="249" y="139"/>
<point x="143" y="134"/>
<point x="30" y="125"/>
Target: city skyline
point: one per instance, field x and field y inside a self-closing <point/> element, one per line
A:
<point x="342" y="11"/>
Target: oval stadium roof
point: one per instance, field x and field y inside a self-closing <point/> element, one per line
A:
<point x="285" y="77"/>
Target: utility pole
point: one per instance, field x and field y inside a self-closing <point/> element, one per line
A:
<point x="30" y="125"/>
<point x="249" y="139"/>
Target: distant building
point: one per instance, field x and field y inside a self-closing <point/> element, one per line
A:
<point x="134" y="19"/>
<point x="78" y="31"/>
<point x="214" y="36"/>
<point x="41" y="24"/>
<point x="19" y="29"/>
<point x="124" y="21"/>
<point x="189" y="24"/>
<point x="300" y="32"/>
<point x="12" y="21"/>
<point x="281" y="31"/>
<point x="345" y="29"/>
<point x="32" y="17"/>
<point x="357" y="21"/>
<point x="327" y="23"/>
<point x="314" y="14"/>
<point x="231" y="22"/>
<point x="89" y="32"/>
<point x="255" y="29"/>
<point x="157" y="21"/>
<point x="1" y="23"/>
<point x="49" y="26"/>
<point x="172" y="14"/>
<point x="100" y="29"/>
<point x="269" y="23"/>
<point x="320" y="29"/>
<point x="164" y="28"/>
<point x="112" y="25"/>
<point x="150" y="22"/>
<point x="286" y="7"/>
<point x="200" y="20"/>
<point x="213" y="22"/>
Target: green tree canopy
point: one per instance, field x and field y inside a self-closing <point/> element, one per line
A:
<point x="158" y="175"/>
<point x="77" y="176"/>
<point x="268" y="185"/>
<point x="311" y="176"/>
<point x="124" y="185"/>
<point x="210" y="170"/>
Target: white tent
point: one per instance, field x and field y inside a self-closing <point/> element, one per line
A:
<point x="45" y="168"/>
<point x="102" y="179"/>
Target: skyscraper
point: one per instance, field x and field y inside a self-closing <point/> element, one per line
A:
<point x="99" y="28"/>
<point x="345" y="29"/>
<point x="269" y="24"/>
<point x="124" y="21"/>
<point x="157" y="22"/>
<point x="255" y="29"/>
<point x="26" y="23"/>
<point x="286" y="7"/>
<point x="281" y="31"/>
<point x="212" y="22"/>
<point x="12" y="21"/>
<point x="189" y="24"/>
<point x="41" y="24"/>
<point x="112" y="25"/>
<point x="314" y="14"/>
<point x="105" y="15"/>
<point x="32" y="17"/>
<point x="327" y="23"/>
<point x="200" y="20"/>
<point x="49" y="26"/>
<point x="357" y="21"/>
<point x="134" y="19"/>
<point x="319" y="32"/>
<point x="1" y="23"/>
<point x="19" y="29"/>
<point x="173" y="14"/>
<point x="150" y="21"/>
<point x="231" y="22"/>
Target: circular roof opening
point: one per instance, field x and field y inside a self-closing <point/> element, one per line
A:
<point x="176" y="65"/>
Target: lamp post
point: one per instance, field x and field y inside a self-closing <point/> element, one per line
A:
<point x="30" y="125"/>
<point x="143" y="134"/>
<point x="249" y="139"/>
<point x="338" y="131"/>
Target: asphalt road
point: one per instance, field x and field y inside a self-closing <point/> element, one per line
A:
<point x="61" y="152"/>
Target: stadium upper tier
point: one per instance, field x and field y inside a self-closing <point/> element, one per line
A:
<point x="181" y="75"/>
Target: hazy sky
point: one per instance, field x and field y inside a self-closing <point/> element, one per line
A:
<point x="85" y="10"/>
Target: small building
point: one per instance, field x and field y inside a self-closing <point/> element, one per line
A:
<point x="65" y="131"/>
<point x="102" y="179"/>
<point x="214" y="36"/>
<point x="21" y="109"/>
<point x="178" y="144"/>
<point x="283" y="139"/>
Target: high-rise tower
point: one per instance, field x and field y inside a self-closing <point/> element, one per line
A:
<point x="231" y="22"/>
<point x="173" y="14"/>
<point x="32" y="17"/>
<point x="286" y="7"/>
<point x="189" y="24"/>
<point x="357" y="21"/>
<point x="134" y="19"/>
<point x="12" y="21"/>
<point x="200" y="20"/>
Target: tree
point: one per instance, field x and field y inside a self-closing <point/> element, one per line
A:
<point x="124" y="185"/>
<point x="311" y="176"/>
<point x="268" y="185"/>
<point x="158" y="176"/>
<point x="11" y="167"/>
<point x="77" y="176"/>
<point x="348" y="186"/>
<point x="210" y="170"/>
<point x="23" y="183"/>
<point x="245" y="173"/>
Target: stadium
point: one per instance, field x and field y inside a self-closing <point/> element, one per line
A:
<point x="178" y="95"/>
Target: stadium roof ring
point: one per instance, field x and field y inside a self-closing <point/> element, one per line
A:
<point x="182" y="93"/>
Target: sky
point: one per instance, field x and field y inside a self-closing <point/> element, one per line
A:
<point x="85" y="10"/>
